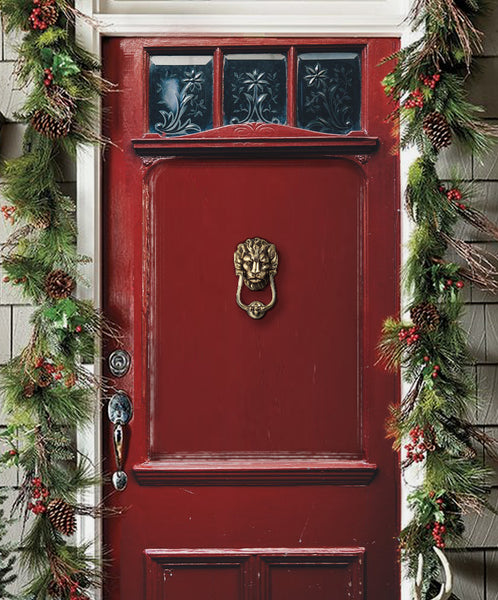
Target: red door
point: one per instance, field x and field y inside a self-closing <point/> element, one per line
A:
<point x="256" y="457"/>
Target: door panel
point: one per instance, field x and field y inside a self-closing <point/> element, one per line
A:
<point x="257" y="460"/>
<point x="274" y="385"/>
<point x="279" y="574"/>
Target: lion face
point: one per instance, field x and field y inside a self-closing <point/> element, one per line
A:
<point x="256" y="259"/>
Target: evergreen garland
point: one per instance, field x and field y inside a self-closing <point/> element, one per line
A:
<point x="47" y="392"/>
<point x="433" y="424"/>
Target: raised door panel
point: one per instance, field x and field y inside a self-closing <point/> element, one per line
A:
<point x="254" y="574"/>
<point x="221" y="383"/>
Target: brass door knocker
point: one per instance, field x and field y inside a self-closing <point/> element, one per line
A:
<point x="256" y="263"/>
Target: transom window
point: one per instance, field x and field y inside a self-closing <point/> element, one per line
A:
<point x="315" y="90"/>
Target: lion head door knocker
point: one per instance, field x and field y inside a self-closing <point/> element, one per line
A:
<point x="256" y="263"/>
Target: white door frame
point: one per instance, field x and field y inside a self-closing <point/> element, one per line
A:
<point x="190" y="18"/>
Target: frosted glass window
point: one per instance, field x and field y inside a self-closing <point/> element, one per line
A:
<point x="180" y="94"/>
<point x="329" y="91"/>
<point x="254" y="88"/>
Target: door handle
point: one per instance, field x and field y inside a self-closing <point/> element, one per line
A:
<point x="120" y="412"/>
<point x="256" y="264"/>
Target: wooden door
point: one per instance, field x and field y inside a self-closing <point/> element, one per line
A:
<point x="257" y="462"/>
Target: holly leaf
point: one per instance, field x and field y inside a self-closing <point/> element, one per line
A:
<point x="62" y="313"/>
<point x="67" y="306"/>
<point x="63" y="65"/>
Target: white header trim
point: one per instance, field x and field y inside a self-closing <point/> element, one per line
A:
<point x="249" y="18"/>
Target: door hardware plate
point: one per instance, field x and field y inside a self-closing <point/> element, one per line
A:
<point x="119" y="409"/>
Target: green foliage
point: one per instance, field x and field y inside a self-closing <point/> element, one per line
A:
<point x="433" y="423"/>
<point x="46" y="389"/>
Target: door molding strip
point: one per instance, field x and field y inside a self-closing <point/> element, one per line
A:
<point x="255" y="472"/>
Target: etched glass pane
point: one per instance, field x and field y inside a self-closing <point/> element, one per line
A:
<point x="180" y="94"/>
<point x="329" y="91"/>
<point x="254" y="88"/>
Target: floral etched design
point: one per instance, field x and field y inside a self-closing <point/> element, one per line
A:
<point x="328" y="96"/>
<point x="183" y="104"/>
<point x="255" y="96"/>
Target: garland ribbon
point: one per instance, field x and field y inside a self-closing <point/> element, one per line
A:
<point x="433" y="425"/>
<point x="48" y="393"/>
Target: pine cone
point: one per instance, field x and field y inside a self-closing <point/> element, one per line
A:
<point x="42" y="221"/>
<point x="61" y="515"/>
<point x="70" y="380"/>
<point x="425" y="316"/>
<point x="437" y="129"/>
<point x="59" y="284"/>
<point x="49" y="126"/>
<point x="29" y="389"/>
<point x="44" y="379"/>
<point x="49" y="13"/>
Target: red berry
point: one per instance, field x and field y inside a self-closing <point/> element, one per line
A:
<point x="459" y="284"/>
<point x="6" y="279"/>
<point x="12" y="452"/>
<point x="77" y="328"/>
<point x="426" y="359"/>
<point x="449" y="282"/>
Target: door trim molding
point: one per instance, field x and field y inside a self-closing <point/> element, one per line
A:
<point x="255" y="472"/>
<point x="258" y="137"/>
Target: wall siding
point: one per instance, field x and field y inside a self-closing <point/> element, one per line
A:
<point x="476" y="563"/>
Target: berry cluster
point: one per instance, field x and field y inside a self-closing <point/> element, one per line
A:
<point x="430" y="81"/>
<point x="438" y="531"/>
<point x="39" y="493"/>
<point x="435" y="368"/>
<point x="8" y="213"/>
<point x="15" y="281"/>
<point x="415" y="451"/>
<point x="416" y="100"/>
<point x="449" y="283"/>
<point x="37" y="18"/>
<point x="409" y="335"/>
<point x="48" y="77"/>
<point x="55" y="371"/>
<point x="455" y="196"/>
